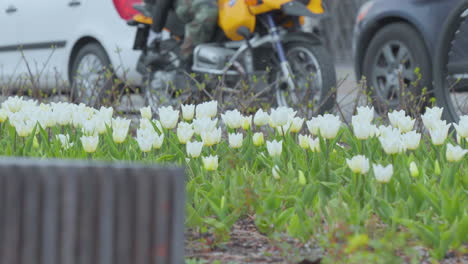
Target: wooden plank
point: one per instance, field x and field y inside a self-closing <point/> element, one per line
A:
<point x="70" y="212"/>
<point x="161" y="210"/>
<point x="143" y="218"/>
<point x="87" y="217"/>
<point x="31" y="217"/>
<point x="125" y="216"/>
<point x="12" y="217"/>
<point x="177" y="215"/>
<point x="106" y="217"/>
<point x="50" y="217"/>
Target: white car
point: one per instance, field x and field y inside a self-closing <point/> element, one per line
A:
<point x="61" y="39"/>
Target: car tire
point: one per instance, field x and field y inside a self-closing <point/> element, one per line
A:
<point x="91" y="76"/>
<point x="396" y="38"/>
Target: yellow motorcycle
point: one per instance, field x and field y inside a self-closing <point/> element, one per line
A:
<point x="259" y="43"/>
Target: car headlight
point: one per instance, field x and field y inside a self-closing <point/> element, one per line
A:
<point x="364" y="10"/>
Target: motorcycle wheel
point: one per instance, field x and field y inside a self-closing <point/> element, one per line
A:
<point x="314" y="74"/>
<point x="451" y="65"/>
<point x="168" y="86"/>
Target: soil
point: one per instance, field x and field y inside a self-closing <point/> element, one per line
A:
<point x="248" y="245"/>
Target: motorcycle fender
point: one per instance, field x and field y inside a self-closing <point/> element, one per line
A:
<point x="302" y="37"/>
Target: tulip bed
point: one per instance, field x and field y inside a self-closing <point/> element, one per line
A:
<point x="367" y="193"/>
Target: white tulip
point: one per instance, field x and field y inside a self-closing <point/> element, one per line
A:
<point x="462" y="127"/>
<point x="246" y="122"/>
<point x="146" y="113"/>
<point x="365" y="113"/>
<point x="314" y="144"/>
<point x="184" y="132"/>
<point x="411" y="140"/>
<point x="358" y="164"/>
<point x="207" y="110"/>
<point x="258" y="139"/>
<point x="158" y="141"/>
<point x="210" y="163"/>
<point x="188" y="112"/>
<point x="362" y="129"/>
<point x="313" y="125"/>
<point x="145" y="139"/>
<point x="304" y="141"/>
<point x="261" y="118"/>
<point x="274" y="148"/>
<point x="280" y="116"/>
<point x="204" y="125"/>
<point x="24" y="129"/>
<point x="395" y="116"/>
<point x="383" y="174"/>
<point x="232" y="119"/>
<point x="194" y="149"/>
<point x="329" y="126"/>
<point x="235" y="140"/>
<point x="65" y="141"/>
<point x="439" y="132"/>
<point x="3" y="115"/>
<point x="168" y="117"/>
<point x="90" y="143"/>
<point x="89" y="128"/>
<point x="211" y="138"/>
<point x="120" y="127"/>
<point x="455" y="153"/>
<point x="399" y="120"/>
<point x="296" y="124"/>
<point x="392" y="141"/>
<point x="431" y="117"/>
<point x="13" y="104"/>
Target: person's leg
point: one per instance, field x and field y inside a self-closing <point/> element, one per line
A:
<point x="201" y="27"/>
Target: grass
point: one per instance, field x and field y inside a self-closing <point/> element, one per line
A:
<point x="304" y="194"/>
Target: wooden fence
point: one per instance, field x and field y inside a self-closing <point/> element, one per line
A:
<point x="58" y="212"/>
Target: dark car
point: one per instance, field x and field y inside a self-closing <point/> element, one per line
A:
<point x="394" y="41"/>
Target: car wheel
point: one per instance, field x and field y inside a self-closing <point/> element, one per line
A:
<point x="391" y="65"/>
<point x="91" y="75"/>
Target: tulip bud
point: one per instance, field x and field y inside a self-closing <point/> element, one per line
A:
<point x="275" y="172"/>
<point x="246" y="122"/>
<point x="437" y="170"/>
<point x="223" y="202"/>
<point x="35" y="143"/>
<point x="414" y="169"/>
<point x="258" y="139"/>
<point x="302" y="178"/>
